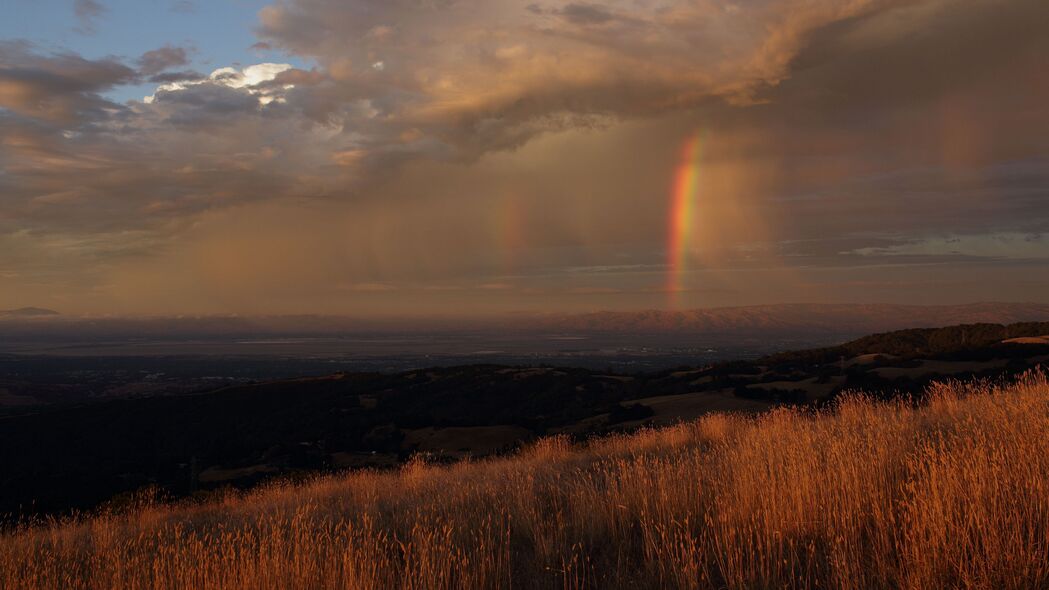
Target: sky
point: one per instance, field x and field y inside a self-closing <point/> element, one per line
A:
<point x="470" y="157"/>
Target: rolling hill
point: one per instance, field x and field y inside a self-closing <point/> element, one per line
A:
<point x="950" y="493"/>
<point x="246" y="434"/>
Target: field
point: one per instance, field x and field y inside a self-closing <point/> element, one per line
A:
<point x="675" y="408"/>
<point x="952" y="492"/>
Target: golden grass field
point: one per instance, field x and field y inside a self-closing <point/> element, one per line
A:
<point x="953" y="493"/>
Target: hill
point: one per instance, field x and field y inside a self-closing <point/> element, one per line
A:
<point x="962" y="342"/>
<point x="244" y="435"/>
<point x="953" y="493"/>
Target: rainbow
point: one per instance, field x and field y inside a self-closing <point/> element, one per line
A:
<point x="682" y="208"/>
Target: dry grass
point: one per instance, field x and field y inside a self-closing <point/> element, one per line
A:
<point x="954" y="493"/>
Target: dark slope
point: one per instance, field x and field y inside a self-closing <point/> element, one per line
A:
<point x="963" y="342"/>
<point x="77" y="457"/>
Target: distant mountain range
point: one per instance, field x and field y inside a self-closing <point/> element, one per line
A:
<point x="796" y="318"/>
<point x="27" y="312"/>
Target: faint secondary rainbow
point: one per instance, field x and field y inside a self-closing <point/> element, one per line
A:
<point x="510" y="224"/>
<point x="682" y="210"/>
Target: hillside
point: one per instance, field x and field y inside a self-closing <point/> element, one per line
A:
<point x="953" y="493"/>
<point x="962" y="342"/>
<point x="244" y="435"/>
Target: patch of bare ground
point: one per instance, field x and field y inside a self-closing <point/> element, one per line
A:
<point x="464" y="440"/>
<point x="670" y="409"/>
<point x="814" y="387"/>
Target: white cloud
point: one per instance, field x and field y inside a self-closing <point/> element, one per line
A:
<point x="249" y="78"/>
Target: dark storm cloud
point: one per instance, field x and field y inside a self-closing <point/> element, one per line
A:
<point x="922" y="120"/>
<point x="480" y="76"/>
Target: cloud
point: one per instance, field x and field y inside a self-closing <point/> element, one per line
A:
<point x="157" y="60"/>
<point x="479" y="76"/>
<point x="87" y="12"/>
<point x="61" y="87"/>
<point x="211" y="92"/>
<point x="172" y="77"/>
<point x="1007" y="245"/>
<point x="534" y="146"/>
<point x="369" y="287"/>
<point x="586" y="14"/>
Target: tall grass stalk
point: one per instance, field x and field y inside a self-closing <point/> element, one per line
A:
<point x="950" y="493"/>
